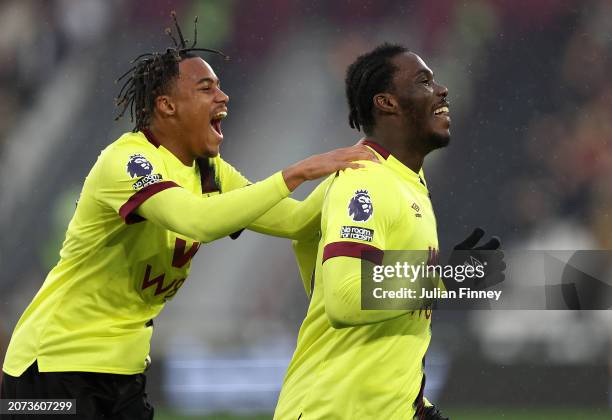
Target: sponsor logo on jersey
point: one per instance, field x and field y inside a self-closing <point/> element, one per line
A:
<point x="355" y="232"/>
<point x="146" y="181"/>
<point x="360" y="207"/>
<point x="417" y="209"/>
<point x="138" y="165"/>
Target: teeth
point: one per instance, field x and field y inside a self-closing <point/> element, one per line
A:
<point x="220" y="115"/>
<point x="441" y="110"/>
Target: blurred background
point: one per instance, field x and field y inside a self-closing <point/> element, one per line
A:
<point x="530" y="160"/>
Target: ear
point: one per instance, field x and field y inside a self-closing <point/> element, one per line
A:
<point x="385" y="102"/>
<point x="165" y="106"/>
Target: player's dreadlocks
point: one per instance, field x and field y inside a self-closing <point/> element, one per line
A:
<point x="153" y="74"/>
<point x="370" y="73"/>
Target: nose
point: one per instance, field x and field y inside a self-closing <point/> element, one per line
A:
<point x="442" y="91"/>
<point x="222" y="97"/>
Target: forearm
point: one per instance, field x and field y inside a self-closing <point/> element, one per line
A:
<point x="210" y="218"/>
<point x="342" y="293"/>
<point x="294" y="219"/>
<point x="288" y="219"/>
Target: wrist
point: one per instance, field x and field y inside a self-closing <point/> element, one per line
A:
<point x="293" y="176"/>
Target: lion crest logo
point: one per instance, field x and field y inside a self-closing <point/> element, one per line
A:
<point x="138" y="165"/>
<point x="360" y="207"/>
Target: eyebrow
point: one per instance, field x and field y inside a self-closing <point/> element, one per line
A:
<point x="208" y="79"/>
<point x="425" y="72"/>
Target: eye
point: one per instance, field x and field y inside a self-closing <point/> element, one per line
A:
<point x="426" y="82"/>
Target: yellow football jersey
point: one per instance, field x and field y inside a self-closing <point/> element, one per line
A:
<point x="116" y="271"/>
<point x="373" y="370"/>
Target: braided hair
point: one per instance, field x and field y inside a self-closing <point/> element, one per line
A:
<point x="370" y="73"/>
<point x="152" y="75"/>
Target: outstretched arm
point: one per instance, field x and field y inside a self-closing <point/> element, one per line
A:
<point x="294" y="219"/>
<point x="208" y="218"/>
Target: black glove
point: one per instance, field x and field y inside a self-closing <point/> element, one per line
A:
<point x="488" y="256"/>
<point x="432" y="413"/>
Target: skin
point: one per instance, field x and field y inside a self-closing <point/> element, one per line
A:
<point x="181" y="122"/>
<point x="405" y="123"/>
<point x="182" y="117"/>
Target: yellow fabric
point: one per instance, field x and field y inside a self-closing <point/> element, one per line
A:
<point x="215" y="217"/>
<point x="305" y="247"/>
<point x="294" y="219"/>
<point x="372" y="367"/>
<point x="112" y="278"/>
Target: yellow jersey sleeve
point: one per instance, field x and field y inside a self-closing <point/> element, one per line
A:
<point x="208" y="218"/>
<point x="289" y="218"/>
<point x="126" y="175"/>
<point x="294" y="219"/>
<point x="358" y="214"/>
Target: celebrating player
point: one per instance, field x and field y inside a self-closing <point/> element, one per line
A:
<point x="368" y="364"/>
<point x="150" y="200"/>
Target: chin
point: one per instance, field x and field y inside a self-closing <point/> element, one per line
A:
<point x="212" y="153"/>
<point x="439" y="140"/>
<point x="211" y="149"/>
<point x="208" y="153"/>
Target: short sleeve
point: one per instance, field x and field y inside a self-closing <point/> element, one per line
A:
<point x="358" y="214"/>
<point x="126" y="176"/>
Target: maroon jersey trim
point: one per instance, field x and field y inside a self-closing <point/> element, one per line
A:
<point x="377" y="148"/>
<point x="353" y="249"/>
<point x="127" y="209"/>
<point x="150" y="137"/>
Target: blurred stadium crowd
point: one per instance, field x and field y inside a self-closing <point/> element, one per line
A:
<point x="530" y="158"/>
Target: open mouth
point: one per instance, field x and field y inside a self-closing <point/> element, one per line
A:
<point x="441" y="113"/>
<point x="215" y="122"/>
<point x="443" y="110"/>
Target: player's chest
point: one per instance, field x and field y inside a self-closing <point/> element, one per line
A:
<point x="416" y="226"/>
<point x="161" y="262"/>
<point x="187" y="177"/>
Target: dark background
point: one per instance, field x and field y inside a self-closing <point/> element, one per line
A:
<point x="530" y="160"/>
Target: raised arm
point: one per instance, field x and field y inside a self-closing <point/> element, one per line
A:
<point x="208" y="218"/>
<point x="294" y="219"/>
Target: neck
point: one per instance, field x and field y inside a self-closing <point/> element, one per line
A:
<point x="405" y="149"/>
<point x="169" y="137"/>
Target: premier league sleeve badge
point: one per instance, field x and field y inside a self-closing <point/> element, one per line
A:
<point x="138" y="165"/>
<point x="360" y="207"/>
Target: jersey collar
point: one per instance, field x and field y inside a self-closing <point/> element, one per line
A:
<point x="384" y="153"/>
<point x="207" y="171"/>
<point x="153" y="140"/>
<point x="150" y="137"/>
<point x="393" y="163"/>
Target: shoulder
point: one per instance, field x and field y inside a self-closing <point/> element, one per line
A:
<point x="375" y="172"/>
<point x="374" y="177"/>
<point x="130" y="157"/>
<point x="363" y="193"/>
<point x="130" y="143"/>
<point x="131" y="151"/>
